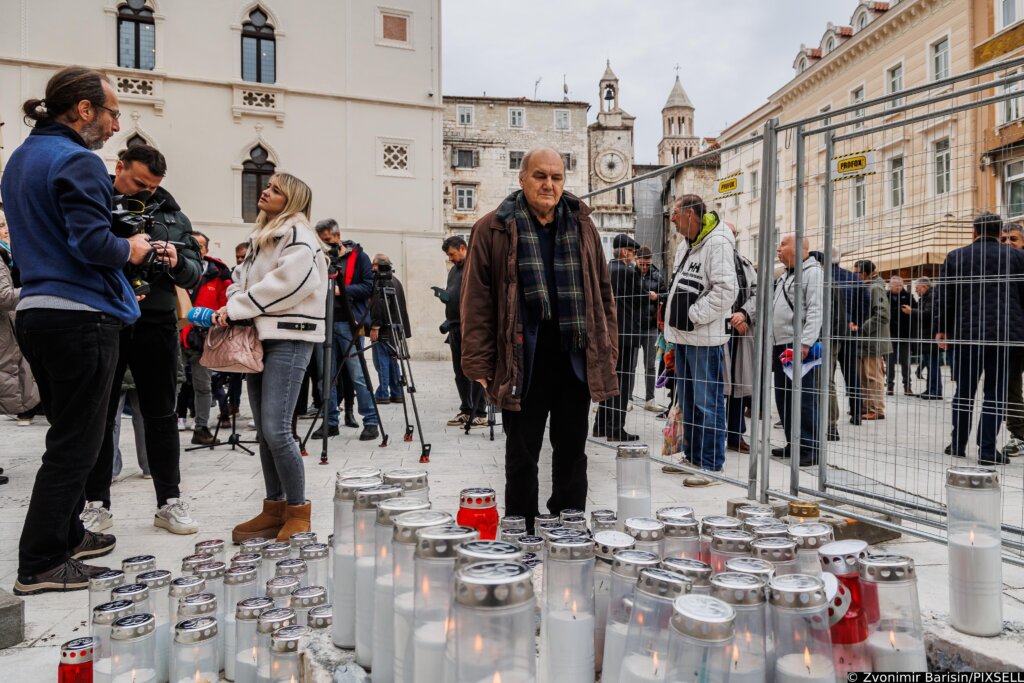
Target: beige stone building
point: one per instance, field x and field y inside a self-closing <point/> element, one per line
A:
<point x="485" y="139"/>
<point x="611" y="162"/>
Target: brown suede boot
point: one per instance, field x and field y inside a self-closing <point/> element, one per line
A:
<point x="265" y="524"/>
<point x="296" y="519"/>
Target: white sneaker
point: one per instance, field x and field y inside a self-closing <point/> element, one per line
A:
<point x="699" y="481"/>
<point x="181" y="424"/>
<point x="24" y="421"/>
<point x="653" y="407"/>
<point x="175" y="517"/>
<point x="96" y="518"/>
<point x="252" y="424"/>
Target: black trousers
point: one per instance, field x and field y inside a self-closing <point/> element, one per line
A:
<point x="554" y="390"/>
<point x="611" y="416"/>
<point x="975" y="364"/>
<point x="900" y="354"/>
<point x="809" y="392"/>
<point x="851" y="375"/>
<point x="472" y="401"/>
<point x="73" y="355"/>
<point x="149" y="348"/>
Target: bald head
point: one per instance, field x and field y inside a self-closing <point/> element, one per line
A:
<point x="787" y="249"/>
<point x="542" y="177"/>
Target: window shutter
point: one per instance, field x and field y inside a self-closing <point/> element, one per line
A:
<point x="455" y="158"/>
<point x="476" y="158"/>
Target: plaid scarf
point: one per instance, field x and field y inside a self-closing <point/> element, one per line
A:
<point x="572" y="320"/>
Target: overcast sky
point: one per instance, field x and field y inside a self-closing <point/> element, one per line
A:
<point x="731" y="55"/>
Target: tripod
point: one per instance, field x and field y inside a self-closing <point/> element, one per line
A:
<point x="234" y="439"/>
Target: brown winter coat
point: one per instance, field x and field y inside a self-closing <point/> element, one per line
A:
<point x="491" y="328"/>
<point x="18" y="392"/>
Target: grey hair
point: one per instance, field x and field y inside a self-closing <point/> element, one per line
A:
<point x="896" y="278"/>
<point x="837" y="254"/>
<point x="923" y="281"/>
<point x="328" y="224"/>
<point x="1013" y="227"/>
<point x="529" y="155"/>
<point x="382" y="260"/>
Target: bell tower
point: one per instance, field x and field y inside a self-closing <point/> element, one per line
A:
<point x="678" y="141"/>
<point x="610" y="142"/>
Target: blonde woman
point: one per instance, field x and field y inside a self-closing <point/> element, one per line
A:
<point x="282" y="286"/>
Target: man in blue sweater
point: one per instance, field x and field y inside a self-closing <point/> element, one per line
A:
<point x="74" y="301"/>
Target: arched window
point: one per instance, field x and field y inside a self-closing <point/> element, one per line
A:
<point x="803" y="65"/>
<point x="830" y="44"/>
<point x="259" y="49"/>
<point x="256" y="172"/>
<point x="862" y="20"/>
<point x="136" y="140"/>
<point x="136" y="36"/>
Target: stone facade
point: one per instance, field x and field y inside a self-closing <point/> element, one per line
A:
<point x="611" y="162"/>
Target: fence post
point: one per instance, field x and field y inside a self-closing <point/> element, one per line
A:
<point x="826" y="321"/>
<point x="795" y="442"/>
<point x="761" y="413"/>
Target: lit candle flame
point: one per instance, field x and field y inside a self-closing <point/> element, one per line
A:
<point x="497" y="677"/>
<point x="398" y="572"/>
<point x="573" y="609"/>
<point x="970" y="536"/>
<point x="197" y="675"/>
<point x="807" y="659"/>
<point x="383" y="552"/>
<point x="735" y="656"/>
<point x="748" y="637"/>
<point x="253" y="654"/>
<point x="892" y="639"/>
<point x="478" y="644"/>
<point x="654" y="662"/>
<point x="640" y="618"/>
<point x="449" y="625"/>
<point x="425" y="588"/>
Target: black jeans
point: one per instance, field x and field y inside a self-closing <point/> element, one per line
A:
<point x="73" y="355"/>
<point x="851" y="375"/>
<point x="970" y="362"/>
<point x="809" y="437"/>
<point x="900" y="354"/>
<point x="556" y="391"/>
<point x="149" y="348"/>
<point x="471" y="400"/>
<point x="611" y="416"/>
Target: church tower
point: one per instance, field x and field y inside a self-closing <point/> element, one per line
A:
<point x="610" y="142"/>
<point x="678" y="141"/>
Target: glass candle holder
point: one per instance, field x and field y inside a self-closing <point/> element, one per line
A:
<point x="101" y="585"/>
<point x="414" y="482"/>
<point x="359" y="472"/>
<point x="801" y="512"/>
<point x="190" y="562"/>
<point x="682" y="537"/>
<point x="781" y="552"/>
<point x="648" y="634"/>
<point x="292" y="566"/>
<point x="320" y="618"/>
<point x="896" y="638"/>
<point x="213" y="546"/>
<point x="317" y="557"/>
<point x="849" y="618"/>
<point x="494" y="633"/>
<point x="306" y="598"/>
<point x="975" y="550"/>
<point x="648" y="533"/>
<point x="799" y="617"/>
<point x="136" y="564"/>
<point x="478" y="508"/>
<point x="532" y="544"/>
<point x="285" y="646"/>
<point x="602" y="520"/>
<point x="239" y="585"/>
<point x="213" y="574"/>
<point x="76" y="661"/>
<point x="727" y="544"/>
<point x="479" y="550"/>
<point x="763" y="569"/>
<point x="699" y="573"/>
<point x="255" y="546"/>
<point x="271" y="554"/>
<point x="299" y="539"/>
<point x="279" y="589"/>
<point x="606" y="543"/>
<point x="748" y="654"/>
<point x="542" y="529"/>
<point x="137" y="593"/>
<point x="626" y="567"/>
<point x="511" y="535"/>
<point x="567" y="618"/>
<point x="809" y="537"/>
<point x="103" y="615"/>
<point x="133" y="646"/>
<point x="365" y="521"/>
<point x="699" y="639"/>
<point x="512" y="522"/>
<point x="745" y="512"/>
<point x="159" y="583"/>
<point x="246" y="560"/>
<point x="578" y="523"/>
<point x="343" y="594"/>
<point x="565" y="532"/>
<point x="246" y="652"/>
<point x="632" y="482"/>
<point x="674" y="512"/>
<point x="751" y="523"/>
<point x="197" y="605"/>
<point x="194" y="656"/>
<point x="267" y="624"/>
<point x="434" y="559"/>
<point x="709" y="526"/>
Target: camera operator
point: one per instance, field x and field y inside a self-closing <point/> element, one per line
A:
<point x="150" y="346"/>
<point x="389" y="385"/>
<point x="74" y="301"/>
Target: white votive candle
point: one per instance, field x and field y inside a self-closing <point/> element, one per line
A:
<point x="975" y="583"/>
<point x="614" y="650"/>
<point x="637" y="668"/>
<point x="136" y="676"/>
<point x="899" y="652"/>
<point x="804" y="668"/>
<point x="634" y="503"/>
<point x="429" y="653"/>
<point x="570" y="644"/>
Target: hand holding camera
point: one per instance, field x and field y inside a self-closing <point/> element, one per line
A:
<point x="166" y="252"/>
<point x="140" y="246"/>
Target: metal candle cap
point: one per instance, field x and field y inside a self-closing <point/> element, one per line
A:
<point x="712" y="523"/>
<point x="886" y="568"/>
<point x="607" y="542"/>
<point x="330" y="540"/>
<point x="408" y="479"/>
<point x="578" y="523"/>
<point x="570" y="512"/>
<point x="751" y="523"/>
<point x="680" y="527"/>
<point x="108" y="580"/>
<point x="810" y="535"/>
<point x="308" y="597"/>
<point x="321" y="616"/>
<point x="133" y="627"/>
<point x="603" y="524"/>
<point x="246" y="559"/>
<point x="732" y="541"/>
<point x="513" y="522"/>
<point x="408" y="523"/>
<point x="190" y="562"/>
<point x="493" y="584"/>
<point x="286" y="639"/>
<point x="280" y="586"/>
<point x="770" y="531"/>
<point x="109" y="612"/>
<point x="77" y="651"/>
<point x="545" y="518"/>
<point x="346" y="489"/>
<point x="531" y="544"/>
<point x="187" y="585"/>
<point x="751" y="565"/>
<point x="439" y="542"/>
<point x="276" y="551"/>
<point x="703" y="617"/>
<point x="645" y="528"/>
<point x="301" y="538"/>
<point x="543" y="528"/>
<point x="511" y="535"/>
<point x="628" y="563"/>
<point x="972" y="478"/>
<point x="565" y="532"/>
<point x="596" y="515"/>
<point x="570" y="548"/>
<point x="478" y="499"/>
<point x="254" y="545"/>
<point x="368" y="498"/>
<point x="840" y="557"/>
<point x="739" y="588"/>
<point x="314" y="551"/>
<point x="387" y="510"/>
<point x="138" y="563"/>
<point x="134" y="592"/>
<point x="674" y="512"/>
<point x="531" y="560"/>
<point x="745" y="512"/>
<point x="774" y="549"/>
<point x="358" y="472"/>
<point x="797" y="591"/>
<point x="804" y="508"/>
<point x="197" y="604"/>
<point x="212" y="546"/>
<point x="191" y="631"/>
<point x="251" y="608"/>
<point x="155" y="579"/>
<point x="290" y="566"/>
<point x="240" y="575"/>
<point x="630" y="452"/>
<point x="662" y="583"/>
<point x="698" y="572"/>
<point x="272" y="619"/>
<point x="211" y="570"/>
<point x="470" y="552"/>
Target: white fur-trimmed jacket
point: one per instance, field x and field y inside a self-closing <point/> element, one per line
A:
<point x="284" y="288"/>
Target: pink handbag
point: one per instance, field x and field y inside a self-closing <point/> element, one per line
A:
<point x="235" y="348"/>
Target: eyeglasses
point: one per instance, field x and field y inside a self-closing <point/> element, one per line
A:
<point x="113" y="112"/>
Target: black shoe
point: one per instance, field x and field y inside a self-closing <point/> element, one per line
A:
<point x="70" y="575"/>
<point x="351" y="422"/>
<point x="833" y="434"/>
<point x="332" y="430"/>
<point x="855" y="421"/>
<point x="889" y="391"/>
<point x="382" y="401"/>
<point x="959" y="453"/>
<point x="929" y="397"/>
<point x="370" y="432"/>
<point x="94" y="545"/>
<point x="780" y="453"/>
<point x="201" y="436"/>
<point x="808" y="462"/>
<point x="622" y="435"/>
<point x="4" y="479"/>
<point x="998" y="459"/>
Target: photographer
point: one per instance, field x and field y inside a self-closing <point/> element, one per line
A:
<point x="150" y="346"/>
<point x="389" y="385"/>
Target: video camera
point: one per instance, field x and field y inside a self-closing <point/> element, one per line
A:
<point x="385" y="272"/>
<point x="131" y="216"/>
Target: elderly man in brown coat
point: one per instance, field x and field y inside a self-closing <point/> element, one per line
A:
<point x="538" y="329"/>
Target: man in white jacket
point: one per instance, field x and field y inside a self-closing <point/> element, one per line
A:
<point x="699" y="305"/>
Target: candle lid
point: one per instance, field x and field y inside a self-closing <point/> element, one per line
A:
<point x="280" y="586"/>
<point x="132" y="627"/>
<point x="155" y="578"/>
<point x="439" y="542"/>
<point x="408" y="523"/>
<point x="239" y="575"/>
<point x="774" y="549"/>
<point x="211" y="570"/>
<point x="197" y="630"/>
<point x="575" y="523"/>
<point x="751" y="565"/>
<point x="751" y="523"/>
<point x="570" y="512"/>
<point x="187" y="585"/>
<point x="287" y="639"/>
<point x="134" y="592"/>
<point x="840" y="557"/>
<point x="290" y="566"/>
<point x="301" y="538"/>
<point x="745" y="512"/>
<point x="543" y="528"/>
<point x="531" y="544"/>
<point x="308" y="597"/>
<point x="190" y="562"/>
<point x="409" y="479"/>
<point x="479" y="499"/>
<point x="314" y="551"/>
<point x="731" y="541"/>
<point x="680" y="527"/>
<point x="511" y="535"/>
<point x="109" y="612"/>
<point x="211" y="546"/>
<point x="607" y="542"/>
<point x="570" y="548"/>
<point x="674" y="512"/>
<point x="254" y="545"/>
<point x="138" y="563"/>
<point x="486" y="551"/>
<point x="632" y="451"/>
<point x="541" y="519"/>
<point x="197" y="604"/>
<point x="272" y="619"/>
<point x="797" y="591"/>
<point x="367" y="498"/>
<point x="703" y="617"/>
<point x="77" y="651"/>
<point x="770" y="530"/>
<point x="276" y="551"/>
<point x="565" y="532"/>
<point x="321" y="616"/>
<point x="108" y="580"/>
<point x="886" y="568"/>
<point x="358" y="472"/>
<point x="739" y="588"/>
<point x="532" y="560"/>
<point x="628" y="563"/>
<point x="388" y="509"/>
<point x="698" y="572"/>
<point x="645" y="528"/>
<point x="346" y="489"/>
<point x="603" y="524"/>
<point x="662" y="583"/>
<point x="810" y="535"/>
<point x="513" y="522"/>
<point x="804" y="508"/>
<point x="251" y="608"/>
<point x="972" y="478"/>
<point x="494" y="584"/>
<point x="601" y="514"/>
<point x="712" y="523"/>
<point x="245" y="559"/>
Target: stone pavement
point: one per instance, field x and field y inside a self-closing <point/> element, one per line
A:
<point x="224" y="487"/>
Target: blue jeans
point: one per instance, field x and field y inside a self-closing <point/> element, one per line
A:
<point x="701" y="394"/>
<point x="388" y="374"/>
<point x="284" y="364"/>
<point x="342" y="337"/>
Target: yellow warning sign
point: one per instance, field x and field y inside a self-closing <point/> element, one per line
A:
<point x="730" y="185"/>
<point x="853" y="165"/>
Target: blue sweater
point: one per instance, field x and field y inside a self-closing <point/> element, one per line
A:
<point x="56" y="195"/>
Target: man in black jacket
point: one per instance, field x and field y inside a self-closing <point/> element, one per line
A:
<point x="924" y="312"/>
<point x="387" y="314"/>
<point x="653" y="282"/>
<point x="900" y="329"/>
<point x="472" y="400"/>
<point x="981" y="313"/>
